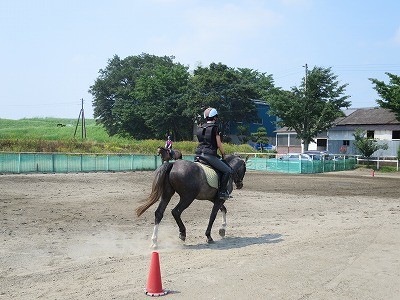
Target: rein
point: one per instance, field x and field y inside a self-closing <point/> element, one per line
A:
<point x="236" y="174"/>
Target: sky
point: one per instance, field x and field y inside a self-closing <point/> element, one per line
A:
<point x="51" y="51"/>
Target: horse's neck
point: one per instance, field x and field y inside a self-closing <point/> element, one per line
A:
<point x="231" y="161"/>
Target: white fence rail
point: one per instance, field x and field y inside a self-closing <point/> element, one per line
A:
<point x="391" y="160"/>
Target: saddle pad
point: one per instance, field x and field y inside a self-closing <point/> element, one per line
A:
<point x="211" y="175"/>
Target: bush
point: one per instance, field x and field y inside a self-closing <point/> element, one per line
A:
<point x="387" y="169"/>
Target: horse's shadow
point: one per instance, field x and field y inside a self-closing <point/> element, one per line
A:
<point x="238" y="242"/>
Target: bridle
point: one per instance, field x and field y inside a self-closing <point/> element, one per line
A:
<point x="235" y="174"/>
<point x="160" y="151"/>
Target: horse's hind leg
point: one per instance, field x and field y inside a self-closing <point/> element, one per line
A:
<point x="177" y="212"/>
<point x="223" y="226"/>
<point x="217" y="205"/>
<point x="159" y="214"/>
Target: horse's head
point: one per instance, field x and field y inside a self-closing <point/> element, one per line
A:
<point x="238" y="165"/>
<point x="159" y="150"/>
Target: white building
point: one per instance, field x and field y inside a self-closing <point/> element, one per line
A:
<point x="379" y="123"/>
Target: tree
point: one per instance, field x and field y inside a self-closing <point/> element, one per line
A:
<point x="260" y="137"/>
<point x="365" y="145"/>
<point x="390" y="93"/>
<point x="141" y="96"/>
<point x="243" y="133"/>
<point x="313" y="107"/>
<point x="229" y="90"/>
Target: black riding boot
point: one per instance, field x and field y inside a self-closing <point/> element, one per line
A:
<point x="223" y="191"/>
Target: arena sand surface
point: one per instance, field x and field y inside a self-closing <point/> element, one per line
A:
<point x="323" y="236"/>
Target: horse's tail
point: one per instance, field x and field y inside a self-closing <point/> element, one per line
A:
<point x="157" y="187"/>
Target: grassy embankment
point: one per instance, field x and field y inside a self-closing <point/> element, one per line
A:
<point x="43" y="135"/>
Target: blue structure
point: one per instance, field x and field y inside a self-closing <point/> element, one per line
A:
<point x="263" y="120"/>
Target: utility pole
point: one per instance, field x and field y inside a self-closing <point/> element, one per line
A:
<point x="305" y="79"/>
<point x="81" y="114"/>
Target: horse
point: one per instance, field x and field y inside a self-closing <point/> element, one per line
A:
<point x="167" y="156"/>
<point x="189" y="180"/>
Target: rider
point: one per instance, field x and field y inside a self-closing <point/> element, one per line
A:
<point x="209" y="143"/>
<point x="168" y="145"/>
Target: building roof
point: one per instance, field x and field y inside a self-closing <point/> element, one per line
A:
<point x="369" y="116"/>
<point x="284" y="130"/>
<point x="376" y="118"/>
<point x="348" y="111"/>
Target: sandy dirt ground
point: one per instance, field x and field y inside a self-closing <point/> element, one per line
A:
<point x="324" y="236"/>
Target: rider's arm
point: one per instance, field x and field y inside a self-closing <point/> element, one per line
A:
<point x="219" y="145"/>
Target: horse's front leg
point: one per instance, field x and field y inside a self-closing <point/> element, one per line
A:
<point x="223" y="225"/>
<point x="217" y="205"/>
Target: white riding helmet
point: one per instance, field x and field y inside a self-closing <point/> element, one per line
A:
<point x="210" y="113"/>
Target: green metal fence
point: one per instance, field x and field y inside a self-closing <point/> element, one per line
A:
<point x="70" y="162"/>
<point x="300" y="166"/>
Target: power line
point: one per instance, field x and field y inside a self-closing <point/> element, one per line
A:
<point x="344" y="68"/>
<point x="368" y="67"/>
<point x="364" y="65"/>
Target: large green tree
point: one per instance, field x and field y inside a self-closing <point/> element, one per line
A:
<point x="390" y="93"/>
<point x="141" y="96"/>
<point x="312" y="107"/>
<point x="229" y="90"/>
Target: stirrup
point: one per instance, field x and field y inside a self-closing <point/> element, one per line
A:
<point x="223" y="195"/>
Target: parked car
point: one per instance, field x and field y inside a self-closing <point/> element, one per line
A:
<point x="318" y="155"/>
<point x="295" y="156"/>
<point x="257" y="146"/>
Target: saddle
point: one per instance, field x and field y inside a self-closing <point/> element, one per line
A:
<point x="213" y="175"/>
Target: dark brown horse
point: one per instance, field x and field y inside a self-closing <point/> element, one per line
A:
<point x="189" y="180"/>
<point x="167" y="156"/>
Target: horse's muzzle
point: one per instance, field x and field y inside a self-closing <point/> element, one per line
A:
<point x="239" y="185"/>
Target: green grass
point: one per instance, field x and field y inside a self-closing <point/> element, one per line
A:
<point x="382" y="169"/>
<point x="387" y="169"/>
<point x="47" y="129"/>
<point x="43" y="135"/>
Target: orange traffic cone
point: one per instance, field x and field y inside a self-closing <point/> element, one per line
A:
<point x="154" y="285"/>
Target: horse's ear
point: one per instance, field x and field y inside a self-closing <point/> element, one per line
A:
<point x="247" y="157"/>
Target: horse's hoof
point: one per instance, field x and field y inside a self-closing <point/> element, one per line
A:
<point x="182" y="237"/>
<point x="210" y="240"/>
<point x="222" y="232"/>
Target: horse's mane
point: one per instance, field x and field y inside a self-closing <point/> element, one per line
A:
<point x="232" y="157"/>
<point x="234" y="160"/>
